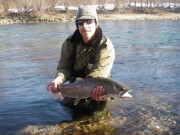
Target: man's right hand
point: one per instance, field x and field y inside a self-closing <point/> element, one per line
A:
<point x="52" y="86"/>
<point x="98" y="94"/>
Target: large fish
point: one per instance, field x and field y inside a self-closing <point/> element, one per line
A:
<point x="83" y="88"/>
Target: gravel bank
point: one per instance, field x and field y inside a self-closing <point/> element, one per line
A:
<point x="49" y="18"/>
<point x="167" y="16"/>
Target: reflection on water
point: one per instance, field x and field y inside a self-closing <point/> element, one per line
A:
<point x="147" y="59"/>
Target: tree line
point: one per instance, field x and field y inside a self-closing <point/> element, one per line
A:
<point x="29" y="5"/>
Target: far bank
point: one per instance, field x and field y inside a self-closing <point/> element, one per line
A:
<point x="42" y="17"/>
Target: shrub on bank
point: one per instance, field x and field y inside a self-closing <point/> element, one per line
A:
<point x="52" y="15"/>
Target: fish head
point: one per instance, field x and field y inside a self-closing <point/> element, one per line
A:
<point x="122" y="91"/>
<point x="125" y="94"/>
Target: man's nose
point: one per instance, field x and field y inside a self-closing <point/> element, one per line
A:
<point x="85" y="24"/>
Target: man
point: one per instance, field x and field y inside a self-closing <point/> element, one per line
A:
<point x="86" y="53"/>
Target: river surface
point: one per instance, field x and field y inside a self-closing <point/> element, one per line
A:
<point x="147" y="60"/>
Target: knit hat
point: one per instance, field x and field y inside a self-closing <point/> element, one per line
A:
<point x="87" y="12"/>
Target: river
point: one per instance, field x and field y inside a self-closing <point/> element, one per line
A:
<point x="147" y="60"/>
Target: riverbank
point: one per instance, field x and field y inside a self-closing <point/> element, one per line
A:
<point x="165" y="16"/>
<point x="41" y="17"/>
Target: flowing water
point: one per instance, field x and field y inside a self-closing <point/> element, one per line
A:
<point x="147" y="60"/>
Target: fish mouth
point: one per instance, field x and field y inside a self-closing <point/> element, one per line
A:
<point x="125" y="95"/>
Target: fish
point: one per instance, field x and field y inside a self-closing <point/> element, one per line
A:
<point x="82" y="89"/>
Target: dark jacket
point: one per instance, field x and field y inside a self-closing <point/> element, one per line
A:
<point x="94" y="59"/>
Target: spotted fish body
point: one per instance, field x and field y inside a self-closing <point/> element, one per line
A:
<point x="83" y="88"/>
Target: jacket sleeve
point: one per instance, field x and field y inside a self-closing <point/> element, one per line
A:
<point x="63" y="68"/>
<point x="104" y="60"/>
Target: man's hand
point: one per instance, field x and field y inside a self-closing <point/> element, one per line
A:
<point x="98" y="94"/>
<point x="52" y="86"/>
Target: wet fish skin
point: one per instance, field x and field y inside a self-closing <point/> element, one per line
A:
<point x="83" y="88"/>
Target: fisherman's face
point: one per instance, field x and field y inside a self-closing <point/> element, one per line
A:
<point x="87" y="28"/>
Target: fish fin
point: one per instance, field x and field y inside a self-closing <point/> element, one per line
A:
<point x="79" y="79"/>
<point x="76" y="101"/>
<point x="110" y="99"/>
<point x="60" y="96"/>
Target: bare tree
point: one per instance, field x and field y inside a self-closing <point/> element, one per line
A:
<point x="119" y="5"/>
<point x="102" y="4"/>
<point x="39" y="4"/>
<point x="141" y="2"/>
<point x="150" y="3"/>
<point x="159" y="3"/>
<point x="52" y="3"/>
<point x="6" y="5"/>
<point x="18" y="5"/>
<point x="23" y="5"/>
<point x="135" y="3"/>
<point x="66" y="5"/>
<point x="169" y="1"/>
<point x="27" y="5"/>
<point x="86" y="2"/>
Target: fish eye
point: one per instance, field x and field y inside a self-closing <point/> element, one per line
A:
<point x="115" y="87"/>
